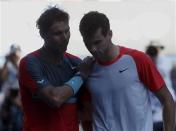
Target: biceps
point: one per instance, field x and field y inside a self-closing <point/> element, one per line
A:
<point x="164" y="95"/>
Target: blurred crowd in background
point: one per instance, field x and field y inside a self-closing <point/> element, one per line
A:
<point x="10" y="105"/>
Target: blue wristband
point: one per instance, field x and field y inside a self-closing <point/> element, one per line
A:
<point x="79" y="74"/>
<point x="75" y="83"/>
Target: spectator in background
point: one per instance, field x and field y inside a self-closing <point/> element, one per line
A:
<point x="164" y="66"/>
<point x="0" y="82"/>
<point x="10" y="111"/>
<point x="9" y="71"/>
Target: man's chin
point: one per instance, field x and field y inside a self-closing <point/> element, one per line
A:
<point x="62" y="50"/>
<point x="97" y="56"/>
<point x="56" y="52"/>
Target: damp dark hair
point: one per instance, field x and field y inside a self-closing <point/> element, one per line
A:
<point x="48" y="17"/>
<point x="92" y="21"/>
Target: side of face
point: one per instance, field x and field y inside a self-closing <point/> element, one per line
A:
<point x="98" y="44"/>
<point x="15" y="56"/>
<point x="57" y="37"/>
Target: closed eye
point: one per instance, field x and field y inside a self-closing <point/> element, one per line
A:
<point x="97" y="42"/>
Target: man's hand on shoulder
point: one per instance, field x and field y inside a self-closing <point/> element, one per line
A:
<point x="86" y="66"/>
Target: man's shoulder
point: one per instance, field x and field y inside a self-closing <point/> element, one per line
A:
<point x="31" y="54"/>
<point x="29" y="57"/>
<point x="133" y="52"/>
<point x="75" y="60"/>
<point x="68" y="55"/>
<point x="137" y="55"/>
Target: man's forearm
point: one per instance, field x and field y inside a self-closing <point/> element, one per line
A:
<point x="61" y="94"/>
<point x="86" y="116"/>
<point x="167" y="101"/>
<point x="86" y="125"/>
<point x="55" y="96"/>
<point x="169" y="116"/>
<point x="3" y="72"/>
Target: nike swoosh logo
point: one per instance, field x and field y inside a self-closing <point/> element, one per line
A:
<point x="73" y="67"/>
<point x="40" y="82"/>
<point x="120" y="71"/>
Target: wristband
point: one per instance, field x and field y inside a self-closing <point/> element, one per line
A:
<point x="82" y="76"/>
<point x="75" y="83"/>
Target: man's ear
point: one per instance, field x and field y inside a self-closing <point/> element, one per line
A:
<point x="42" y="34"/>
<point x="110" y="33"/>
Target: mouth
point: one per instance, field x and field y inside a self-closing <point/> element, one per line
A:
<point x="63" y="48"/>
<point x="60" y="49"/>
<point x="60" y="46"/>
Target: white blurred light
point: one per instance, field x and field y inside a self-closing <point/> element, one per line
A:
<point x="111" y="0"/>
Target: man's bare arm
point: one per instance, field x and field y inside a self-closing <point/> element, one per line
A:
<point x="56" y="96"/>
<point x="168" y="108"/>
<point x="86" y="116"/>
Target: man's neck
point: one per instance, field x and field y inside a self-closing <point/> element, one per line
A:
<point x="49" y="56"/>
<point x="112" y="52"/>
